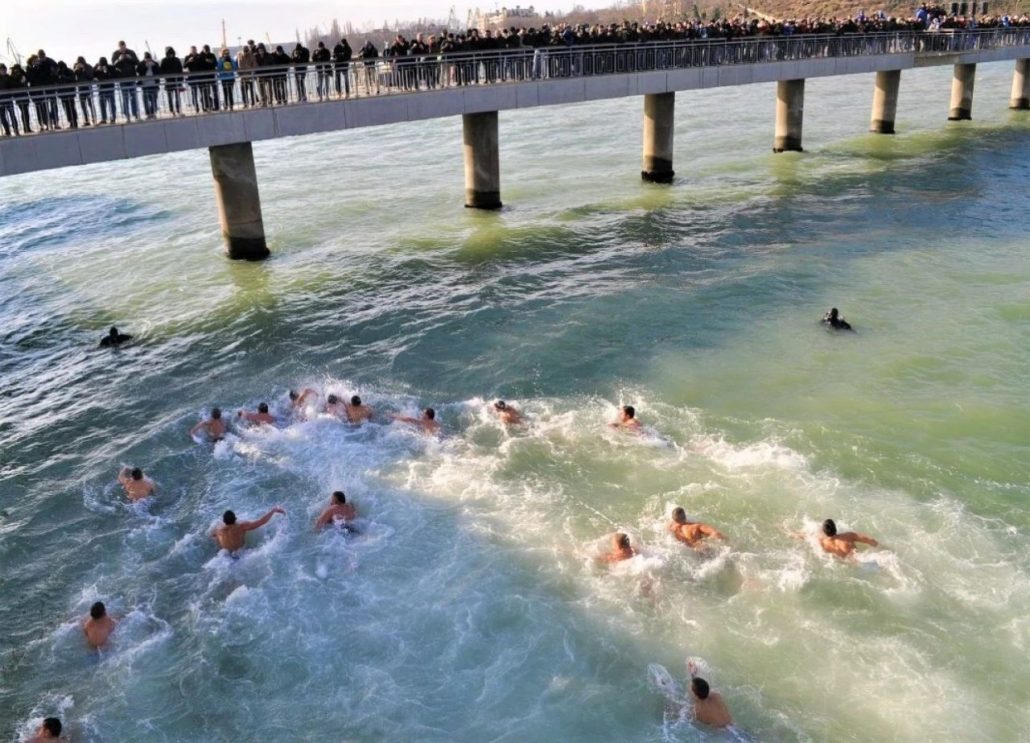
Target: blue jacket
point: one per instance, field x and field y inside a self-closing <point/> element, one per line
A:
<point x="226" y="68"/>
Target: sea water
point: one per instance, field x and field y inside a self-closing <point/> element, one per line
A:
<point x="471" y="607"/>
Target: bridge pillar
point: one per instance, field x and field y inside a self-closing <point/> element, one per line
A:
<point x="482" y="161"/>
<point x="962" y="92"/>
<point x="885" y="101"/>
<point x="1021" y="86"/>
<point x="659" y="121"/>
<point x="790" y="113"/>
<point x="239" y="206"/>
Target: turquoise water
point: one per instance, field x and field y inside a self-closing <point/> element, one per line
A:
<point x="471" y="608"/>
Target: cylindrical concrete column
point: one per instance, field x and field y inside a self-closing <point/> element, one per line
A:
<point x="659" y="122"/>
<point x="482" y="161"/>
<point x="1021" y="86"/>
<point x="885" y="101"/>
<point x="239" y="206"/>
<point x="790" y="114"/>
<point x="962" y="92"/>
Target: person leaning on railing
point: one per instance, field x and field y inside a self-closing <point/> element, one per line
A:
<point x="84" y="77"/>
<point x="104" y="74"/>
<point x="246" y="64"/>
<point x="66" y="93"/>
<point x="264" y="60"/>
<point x="226" y="70"/>
<point x="300" y="56"/>
<point x="280" y="81"/>
<point x="321" y="57"/>
<point x="41" y="71"/>
<point x="149" y="73"/>
<point x="171" y="71"/>
<point x="8" y="117"/>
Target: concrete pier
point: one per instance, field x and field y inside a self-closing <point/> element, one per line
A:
<point x="885" y="101"/>
<point x="659" y="123"/>
<point x="482" y="161"/>
<point x="962" y="92"/>
<point x="239" y="205"/>
<point x="1020" y="99"/>
<point x="790" y="114"/>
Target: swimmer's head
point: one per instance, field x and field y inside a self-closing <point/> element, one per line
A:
<point x="229" y="518"/>
<point x="216" y="414"/>
<point x="293" y="395"/>
<point x="339" y="497"/>
<point x="137" y="473"/>
<point x="113" y="332"/>
<point x="332" y="399"/>
<point x="501" y="405"/>
<point x="263" y="407"/>
<point x="621" y="541"/>
<point x="834" y="313"/>
<point x="629" y="412"/>
<point x="430" y="414"/>
<point x="51" y="726"/>
<point x="679" y="515"/>
<point x="700" y="688"/>
<point x="355" y="401"/>
<point x="829" y="528"/>
<point x="97" y="610"/>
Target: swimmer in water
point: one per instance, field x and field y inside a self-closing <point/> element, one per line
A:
<point x="137" y="487"/>
<point x="427" y="422"/>
<point x="98" y="626"/>
<point x="231" y="534"/>
<point x="692" y="533"/>
<point x="709" y="707"/>
<point x="262" y="417"/>
<point x="627" y="419"/>
<point x="835" y="321"/>
<point x="114" y="338"/>
<point x="213" y="427"/>
<point x="338" y="511"/>
<point x="334" y="406"/>
<point x="50" y="729"/>
<point x="357" y="412"/>
<point x="621" y="549"/>
<point x="842" y="545"/>
<point x="508" y="413"/>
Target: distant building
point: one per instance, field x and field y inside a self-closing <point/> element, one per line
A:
<point x="503" y="18"/>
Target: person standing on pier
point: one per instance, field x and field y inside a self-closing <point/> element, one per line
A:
<point x="300" y="58"/>
<point x="342" y="54"/>
<point x="227" y="77"/>
<point x="171" y="71"/>
<point x="124" y="62"/>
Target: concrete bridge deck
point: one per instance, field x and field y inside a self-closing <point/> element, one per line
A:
<point x="708" y="64"/>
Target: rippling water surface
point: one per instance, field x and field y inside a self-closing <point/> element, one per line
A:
<point x="470" y="608"/>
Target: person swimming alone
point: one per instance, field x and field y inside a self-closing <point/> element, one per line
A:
<point x="427" y="422"/>
<point x="137" y="487"/>
<point x="114" y="338"/>
<point x="339" y="511"/>
<point x="50" y="729"/>
<point x="842" y="545"/>
<point x="98" y="626"/>
<point x="231" y="535"/>
<point x="692" y="533"/>
<point x="262" y="417"/>
<point x="213" y="427"/>
<point x="709" y="707"/>
<point x="508" y="413"/>
<point x="835" y="321"/>
<point x="627" y="419"/>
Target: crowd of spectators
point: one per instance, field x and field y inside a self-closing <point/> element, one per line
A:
<point x="258" y="76"/>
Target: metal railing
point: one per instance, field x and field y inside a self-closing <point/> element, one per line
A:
<point x="49" y="108"/>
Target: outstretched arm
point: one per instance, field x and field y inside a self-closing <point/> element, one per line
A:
<point x="323" y="520"/>
<point x="406" y="419"/>
<point x="711" y="531"/>
<point x="196" y="429"/>
<point x="308" y="392"/>
<point x="251" y="525"/>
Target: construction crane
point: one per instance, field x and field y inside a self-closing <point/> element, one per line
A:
<point x="225" y="39"/>
<point x="12" y="52"/>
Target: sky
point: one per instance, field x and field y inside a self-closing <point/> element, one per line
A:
<point x="68" y="28"/>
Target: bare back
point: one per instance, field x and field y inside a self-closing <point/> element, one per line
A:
<point x="712" y="711"/>
<point x="98" y="630"/>
<point x="230" y="537"/>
